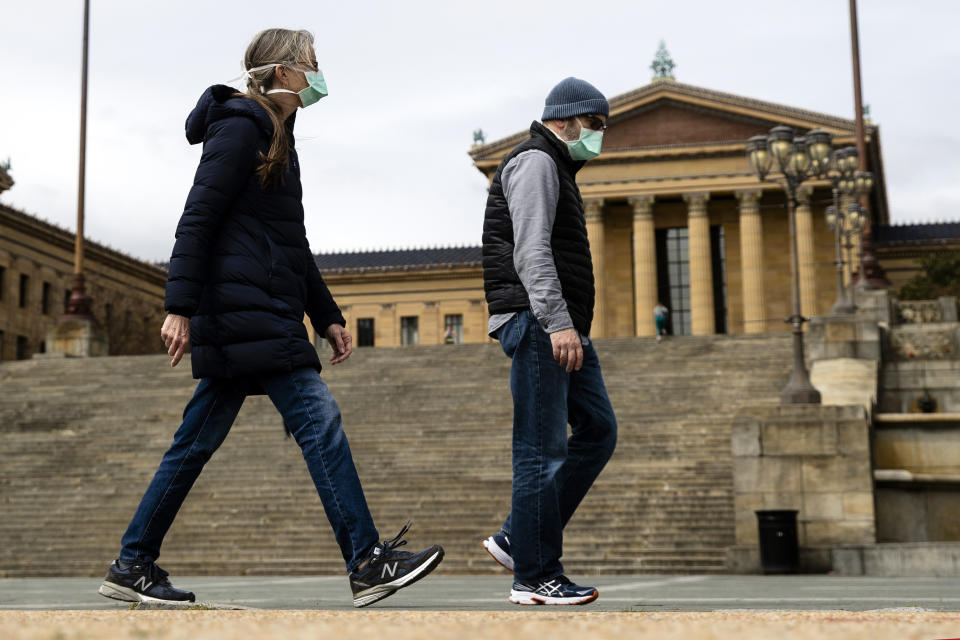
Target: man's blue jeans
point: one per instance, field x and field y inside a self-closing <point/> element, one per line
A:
<point x="309" y="413"/>
<point x="551" y="472"/>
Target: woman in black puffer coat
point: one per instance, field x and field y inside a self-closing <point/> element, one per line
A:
<point x="241" y="278"/>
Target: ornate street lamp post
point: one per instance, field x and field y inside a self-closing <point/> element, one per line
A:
<point x="862" y="185"/>
<point x="847" y="225"/>
<point x="796" y="159"/>
<point x="857" y="220"/>
<point x="842" y="177"/>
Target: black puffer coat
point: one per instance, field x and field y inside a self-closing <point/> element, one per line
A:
<point x="241" y="268"/>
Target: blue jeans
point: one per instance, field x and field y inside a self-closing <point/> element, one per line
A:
<point x="551" y="472"/>
<point x="309" y="413"/>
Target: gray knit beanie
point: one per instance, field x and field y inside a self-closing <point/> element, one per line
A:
<point x="574" y="97"/>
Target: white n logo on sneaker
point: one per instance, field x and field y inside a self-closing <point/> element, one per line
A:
<point x="386" y="567"/>
<point x="142" y="583"/>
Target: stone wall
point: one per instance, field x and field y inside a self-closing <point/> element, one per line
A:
<point x="917" y="459"/>
<point x="919" y="359"/>
<point x="812" y="458"/>
<point x="852" y="336"/>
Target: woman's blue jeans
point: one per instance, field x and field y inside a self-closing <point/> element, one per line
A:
<point x="551" y="472"/>
<point x="309" y="413"/>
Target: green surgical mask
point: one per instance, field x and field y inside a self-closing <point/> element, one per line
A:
<point x="316" y="88"/>
<point x="587" y="146"/>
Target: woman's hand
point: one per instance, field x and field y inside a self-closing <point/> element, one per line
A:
<point x="176" y="336"/>
<point x="341" y="341"/>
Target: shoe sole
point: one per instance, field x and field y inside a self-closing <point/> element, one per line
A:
<point x="527" y="598"/>
<point x="381" y="591"/>
<point x="126" y="594"/>
<point x="502" y="557"/>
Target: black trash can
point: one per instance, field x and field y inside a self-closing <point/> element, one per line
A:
<point x="779" y="551"/>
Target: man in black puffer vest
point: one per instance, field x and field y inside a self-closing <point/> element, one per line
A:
<point x="538" y="279"/>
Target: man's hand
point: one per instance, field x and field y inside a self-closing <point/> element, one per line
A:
<point x="567" y="349"/>
<point x="176" y="336"/>
<point x="341" y="341"/>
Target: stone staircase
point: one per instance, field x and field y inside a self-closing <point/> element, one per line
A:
<point x="430" y="432"/>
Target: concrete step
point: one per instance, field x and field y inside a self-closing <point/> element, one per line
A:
<point x="80" y="440"/>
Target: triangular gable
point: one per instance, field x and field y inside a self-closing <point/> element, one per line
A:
<point x="670" y="122"/>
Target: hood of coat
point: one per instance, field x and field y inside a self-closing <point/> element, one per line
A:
<point x="221" y="101"/>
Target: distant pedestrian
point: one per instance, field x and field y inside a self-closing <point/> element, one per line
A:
<point x="660" y="318"/>
<point x="240" y="279"/>
<point x="449" y="337"/>
<point x="538" y="279"/>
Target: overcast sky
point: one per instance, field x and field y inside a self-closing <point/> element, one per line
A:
<point x="384" y="157"/>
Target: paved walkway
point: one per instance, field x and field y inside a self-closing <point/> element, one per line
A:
<point x="489" y="593"/>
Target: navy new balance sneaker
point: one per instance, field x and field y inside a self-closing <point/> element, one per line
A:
<point x="386" y="570"/>
<point x="141" y="582"/>
<point x="557" y="591"/>
<point x="498" y="546"/>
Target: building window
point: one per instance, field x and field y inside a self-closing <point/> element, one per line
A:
<point x="24" y="286"/>
<point x="365" y="335"/>
<point x="718" y="252"/>
<point x="673" y="273"/>
<point x="409" y="330"/>
<point x="673" y="278"/>
<point x="45" y="300"/>
<point x="21" y="347"/>
<point x="66" y="300"/>
<point x="3" y="280"/>
<point x="453" y="329"/>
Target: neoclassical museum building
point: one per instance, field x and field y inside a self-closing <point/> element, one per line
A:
<point x="674" y="214"/>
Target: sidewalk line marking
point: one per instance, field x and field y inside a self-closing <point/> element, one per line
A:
<point x="781" y="599"/>
<point x="627" y="586"/>
<point x="59" y="605"/>
<point x="255" y="582"/>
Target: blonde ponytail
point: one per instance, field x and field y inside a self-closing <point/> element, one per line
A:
<point x="273" y="47"/>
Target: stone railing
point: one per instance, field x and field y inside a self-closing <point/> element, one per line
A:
<point x="926" y="311"/>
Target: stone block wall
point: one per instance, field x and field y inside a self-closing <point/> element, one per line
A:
<point x="921" y="358"/>
<point x="859" y="335"/>
<point x="812" y="458"/>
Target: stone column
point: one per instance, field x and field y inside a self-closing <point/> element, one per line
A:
<point x="701" y="266"/>
<point x="593" y="209"/>
<point x="644" y="265"/>
<point x="805" y="254"/>
<point x="751" y="261"/>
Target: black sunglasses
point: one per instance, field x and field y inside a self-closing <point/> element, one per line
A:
<point x="595" y="123"/>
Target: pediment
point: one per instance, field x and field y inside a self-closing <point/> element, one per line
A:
<point x="669" y="122"/>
